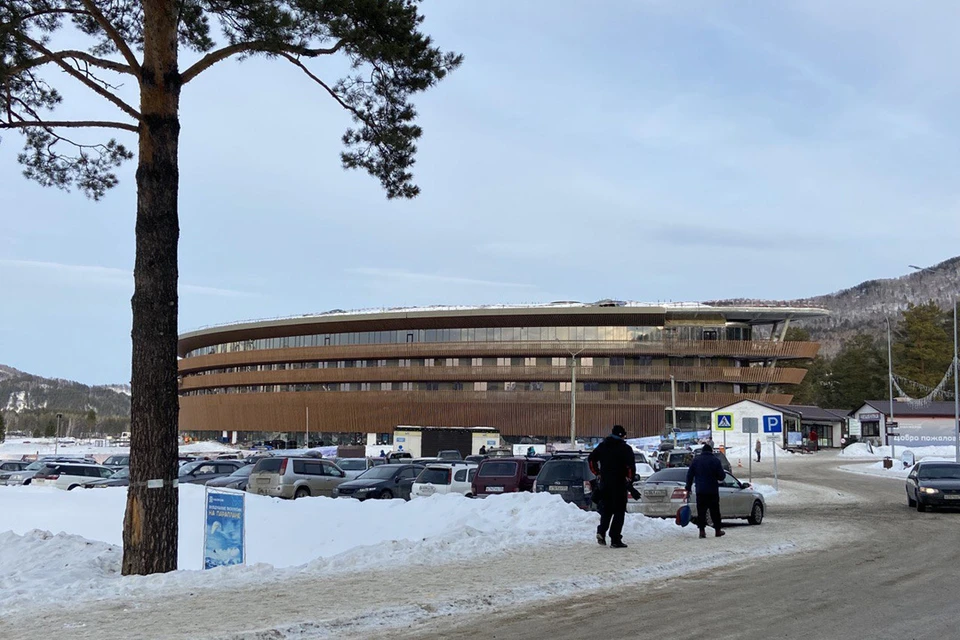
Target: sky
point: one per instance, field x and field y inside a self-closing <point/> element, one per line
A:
<point x="639" y="150"/>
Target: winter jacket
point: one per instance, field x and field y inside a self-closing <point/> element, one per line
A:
<point x="616" y="463"/>
<point x="707" y="472"/>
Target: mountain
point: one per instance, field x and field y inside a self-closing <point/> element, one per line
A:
<point x="21" y="391"/>
<point x="863" y="308"/>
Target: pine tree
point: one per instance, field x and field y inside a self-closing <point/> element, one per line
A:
<point x="857" y="373"/>
<point x="140" y="43"/>
<point x="923" y="345"/>
<point x="3" y="428"/>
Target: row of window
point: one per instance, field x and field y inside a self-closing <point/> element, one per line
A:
<point x="582" y="363"/>
<point x="493" y="334"/>
<point x="622" y="387"/>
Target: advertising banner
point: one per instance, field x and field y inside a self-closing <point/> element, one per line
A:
<point x="930" y="432"/>
<point x="224" y="533"/>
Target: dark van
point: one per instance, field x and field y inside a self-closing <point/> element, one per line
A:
<point x="506" y="475"/>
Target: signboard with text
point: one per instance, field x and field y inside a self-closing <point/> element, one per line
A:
<point x="224" y="533"/>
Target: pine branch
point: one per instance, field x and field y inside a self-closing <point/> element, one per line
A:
<point x="123" y="106"/>
<point x="70" y="124"/>
<point x="76" y="55"/>
<point x="114" y="36"/>
<point x="259" y="46"/>
<point x="323" y="84"/>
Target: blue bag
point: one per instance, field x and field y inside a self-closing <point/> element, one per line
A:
<point x="683" y="515"/>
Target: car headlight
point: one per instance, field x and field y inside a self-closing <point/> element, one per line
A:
<point x="929" y="490"/>
<point x="364" y="490"/>
<point x="17" y="477"/>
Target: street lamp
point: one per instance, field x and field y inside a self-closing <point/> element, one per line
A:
<point x="56" y="440"/>
<point x="956" y="378"/>
<point x="573" y="394"/>
<point x="893" y="450"/>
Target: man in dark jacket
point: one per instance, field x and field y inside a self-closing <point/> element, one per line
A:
<point x="614" y="465"/>
<point x="707" y="472"/>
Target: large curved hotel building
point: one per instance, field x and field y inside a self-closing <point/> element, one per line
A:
<point x="507" y="367"/>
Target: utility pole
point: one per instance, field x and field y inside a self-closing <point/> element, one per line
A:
<point x="307" y="444"/>
<point x="893" y="455"/>
<point x="573" y="395"/>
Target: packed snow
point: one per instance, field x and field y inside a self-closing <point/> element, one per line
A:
<point x="344" y="534"/>
<point x="15" y="448"/>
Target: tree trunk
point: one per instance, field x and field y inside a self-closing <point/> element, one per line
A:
<point x="150" y="525"/>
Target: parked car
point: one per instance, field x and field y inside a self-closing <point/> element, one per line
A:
<point x="444" y="478"/>
<point x="120" y="478"/>
<point x="568" y="477"/>
<point x="236" y="480"/>
<point x="476" y="459"/>
<point x="25" y="475"/>
<point x="506" y="475"/>
<point x="115" y="462"/>
<point x="13" y="465"/>
<point x="450" y="454"/>
<point x="200" y="471"/>
<point x="675" y="458"/>
<point x="933" y="484"/>
<point x="295" y="477"/>
<point x="399" y="456"/>
<point x="665" y="491"/>
<point x="69" y="475"/>
<point x="353" y="467"/>
<point x="384" y="482"/>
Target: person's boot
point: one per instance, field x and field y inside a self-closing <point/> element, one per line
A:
<point x="721" y="533"/>
<point x="601" y="539"/>
<point x="618" y="544"/>
<point x="703" y="533"/>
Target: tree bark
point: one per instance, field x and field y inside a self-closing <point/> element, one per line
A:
<point x="150" y="525"/>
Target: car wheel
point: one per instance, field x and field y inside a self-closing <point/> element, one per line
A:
<point x="910" y="501"/>
<point x="302" y="492"/>
<point x="920" y="506"/>
<point x="386" y="494"/>
<point x="72" y="487"/>
<point x="756" y="514"/>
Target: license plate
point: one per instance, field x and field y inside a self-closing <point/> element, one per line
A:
<point x="497" y="489"/>
<point x="427" y="490"/>
<point x="952" y="496"/>
<point x="558" y="488"/>
<point x="655" y="493"/>
<point x="263" y="480"/>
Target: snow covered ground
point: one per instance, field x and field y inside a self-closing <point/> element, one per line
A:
<point x="15" y="448"/>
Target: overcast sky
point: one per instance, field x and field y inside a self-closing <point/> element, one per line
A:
<point x="641" y="150"/>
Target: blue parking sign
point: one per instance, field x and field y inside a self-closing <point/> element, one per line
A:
<point x="772" y="424"/>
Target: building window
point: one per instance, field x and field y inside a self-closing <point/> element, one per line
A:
<point x="591" y="386"/>
<point x="409" y="337"/>
<point x="404" y="362"/>
<point x="476" y="362"/>
<point x="386" y="386"/>
<point x="479" y="386"/>
<point x="503" y="362"/>
<point x="565" y="386"/>
<point x="586" y="362"/>
<point x="364" y="386"/>
<point x="432" y="386"/>
<point x="458" y="386"/>
<point x="559" y="362"/>
<point x="536" y="386"/>
<point x="530" y="362"/>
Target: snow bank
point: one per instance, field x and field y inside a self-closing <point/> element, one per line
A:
<point x="15" y="448"/>
<point x="862" y="450"/>
<point x="324" y="534"/>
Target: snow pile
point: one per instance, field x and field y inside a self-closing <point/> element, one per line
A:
<point x="766" y="490"/>
<point x="207" y="446"/>
<point x="326" y="534"/>
<point x="15" y="448"/>
<point x="743" y="453"/>
<point x="863" y="450"/>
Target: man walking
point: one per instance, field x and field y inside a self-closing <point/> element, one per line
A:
<point x="613" y="464"/>
<point x="758" y="448"/>
<point x="707" y="472"/>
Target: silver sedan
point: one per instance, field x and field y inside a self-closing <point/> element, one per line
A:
<point x="665" y="491"/>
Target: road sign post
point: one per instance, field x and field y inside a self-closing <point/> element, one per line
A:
<point x="774" y="425"/>
<point x="750" y="426"/>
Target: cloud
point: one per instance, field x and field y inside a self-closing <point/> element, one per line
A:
<point x="86" y="275"/>
<point x="399" y="274"/>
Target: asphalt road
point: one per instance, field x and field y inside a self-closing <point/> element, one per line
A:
<point x="899" y="581"/>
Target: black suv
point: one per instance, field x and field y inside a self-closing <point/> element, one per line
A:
<point x="569" y="477"/>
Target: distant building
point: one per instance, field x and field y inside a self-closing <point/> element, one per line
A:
<point x="506" y="367"/>
<point x="919" y="424"/>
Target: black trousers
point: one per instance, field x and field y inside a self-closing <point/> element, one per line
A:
<point x="758" y="456"/>
<point x="708" y="502"/>
<point x="612" y="511"/>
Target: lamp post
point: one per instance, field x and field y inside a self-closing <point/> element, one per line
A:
<point x="956" y="370"/>
<point x="893" y="450"/>
<point x="573" y="394"/>
<point x="56" y="440"/>
<point x="673" y="408"/>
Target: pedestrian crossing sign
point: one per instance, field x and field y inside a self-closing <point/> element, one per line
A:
<point x="724" y="422"/>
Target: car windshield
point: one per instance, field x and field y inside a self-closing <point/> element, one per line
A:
<point x="352" y="464"/>
<point x="120" y="474"/>
<point x="377" y="473"/>
<point x="190" y="466"/>
<point x="499" y="469"/>
<point x="676" y="474"/>
<point x="243" y="471"/>
<point x="561" y="470"/>
<point x="35" y="466"/>
<point x="940" y="472"/>
<point x="434" y="476"/>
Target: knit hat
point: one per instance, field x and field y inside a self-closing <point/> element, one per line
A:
<point x="619" y="431"/>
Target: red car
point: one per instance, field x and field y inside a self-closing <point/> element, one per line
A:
<point x="506" y="475"/>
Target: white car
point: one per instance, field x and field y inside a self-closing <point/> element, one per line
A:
<point x="444" y="478"/>
<point x="69" y="475"/>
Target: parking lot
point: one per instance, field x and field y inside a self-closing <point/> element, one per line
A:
<point x="820" y="516"/>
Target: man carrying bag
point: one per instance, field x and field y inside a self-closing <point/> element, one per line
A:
<point x="614" y="465"/>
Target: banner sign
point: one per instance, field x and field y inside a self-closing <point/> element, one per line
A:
<point x="224" y="533"/>
<point x="794" y="438"/>
<point x="925" y="433"/>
